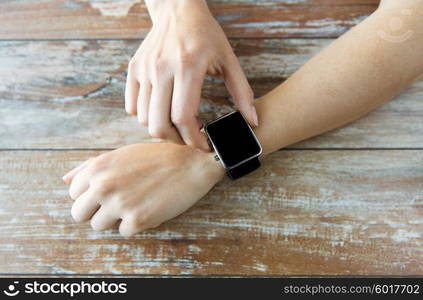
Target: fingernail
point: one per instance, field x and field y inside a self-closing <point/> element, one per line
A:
<point x="255" y="117"/>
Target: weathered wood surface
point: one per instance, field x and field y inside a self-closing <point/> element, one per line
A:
<point x="69" y="94"/>
<point x="304" y="212"/>
<point x="76" y="19"/>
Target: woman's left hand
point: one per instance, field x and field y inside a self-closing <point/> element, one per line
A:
<point x="143" y="185"/>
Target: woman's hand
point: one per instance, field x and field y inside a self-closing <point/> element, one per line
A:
<point x="142" y="184"/>
<point x="166" y="74"/>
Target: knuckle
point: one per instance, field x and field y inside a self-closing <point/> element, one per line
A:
<point x="97" y="163"/>
<point x="120" y="205"/>
<point x="100" y="162"/>
<point x="187" y="58"/>
<point x="132" y="64"/>
<point x="158" y="68"/>
<point x="160" y="63"/>
<point x="142" y="60"/>
<point x="124" y="207"/>
<point x="103" y="186"/>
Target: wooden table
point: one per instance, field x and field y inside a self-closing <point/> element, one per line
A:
<point x="347" y="202"/>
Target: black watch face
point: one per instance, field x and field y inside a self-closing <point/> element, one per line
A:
<point x="233" y="139"/>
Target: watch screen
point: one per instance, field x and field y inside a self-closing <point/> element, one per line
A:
<point x="233" y="139"/>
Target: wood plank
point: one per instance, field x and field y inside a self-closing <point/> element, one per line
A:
<point x="93" y="19"/>
<point x="304" y="212"/>
<point x="69" y="94"/>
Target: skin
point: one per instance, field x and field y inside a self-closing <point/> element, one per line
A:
<point x="166" y="74"/>
<point x="153" y="190"/>
<point x="144" y="185"/>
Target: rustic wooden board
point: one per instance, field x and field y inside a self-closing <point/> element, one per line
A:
<point x="304" y="212"/>
<point x="80" y="19"/>
<point x="69" y="94"/>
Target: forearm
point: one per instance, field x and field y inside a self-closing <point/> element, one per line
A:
<point x="355" y="74"/>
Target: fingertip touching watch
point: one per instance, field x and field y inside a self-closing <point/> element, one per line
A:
<point x="236" y="146"/>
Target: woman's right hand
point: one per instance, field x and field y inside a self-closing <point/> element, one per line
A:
<point x="166" y="74"/>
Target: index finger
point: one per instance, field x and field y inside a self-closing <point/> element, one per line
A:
<point x="131" y="89"/>
<point x="185" y="106"/>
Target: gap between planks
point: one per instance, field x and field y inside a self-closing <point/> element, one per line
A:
<point x="141" y="39"/>
<point x="283" y="149"/>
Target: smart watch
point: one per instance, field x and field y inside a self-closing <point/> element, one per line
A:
<point x="236" y="146"/>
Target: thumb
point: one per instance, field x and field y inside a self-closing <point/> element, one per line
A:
<point x="240" y="90"/>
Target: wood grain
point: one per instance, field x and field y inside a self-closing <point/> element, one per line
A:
<point x="330" y="211"/>
<point x="94" y="19"/>
<point x="304" y="212"/>
<point x="69" y="94"/>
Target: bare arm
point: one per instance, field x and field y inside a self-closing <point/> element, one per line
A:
<point x="357" y="73"/>
<point x="144" y="185"/>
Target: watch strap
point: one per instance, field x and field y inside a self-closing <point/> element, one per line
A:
<point x="244" y="168"/>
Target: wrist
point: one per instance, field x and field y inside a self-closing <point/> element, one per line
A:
<point x="214" y="168"/>
<point x="161" y="8"/>
<point x="270" y="140"/>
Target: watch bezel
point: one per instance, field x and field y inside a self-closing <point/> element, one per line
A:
<point x="217" y="151"/>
